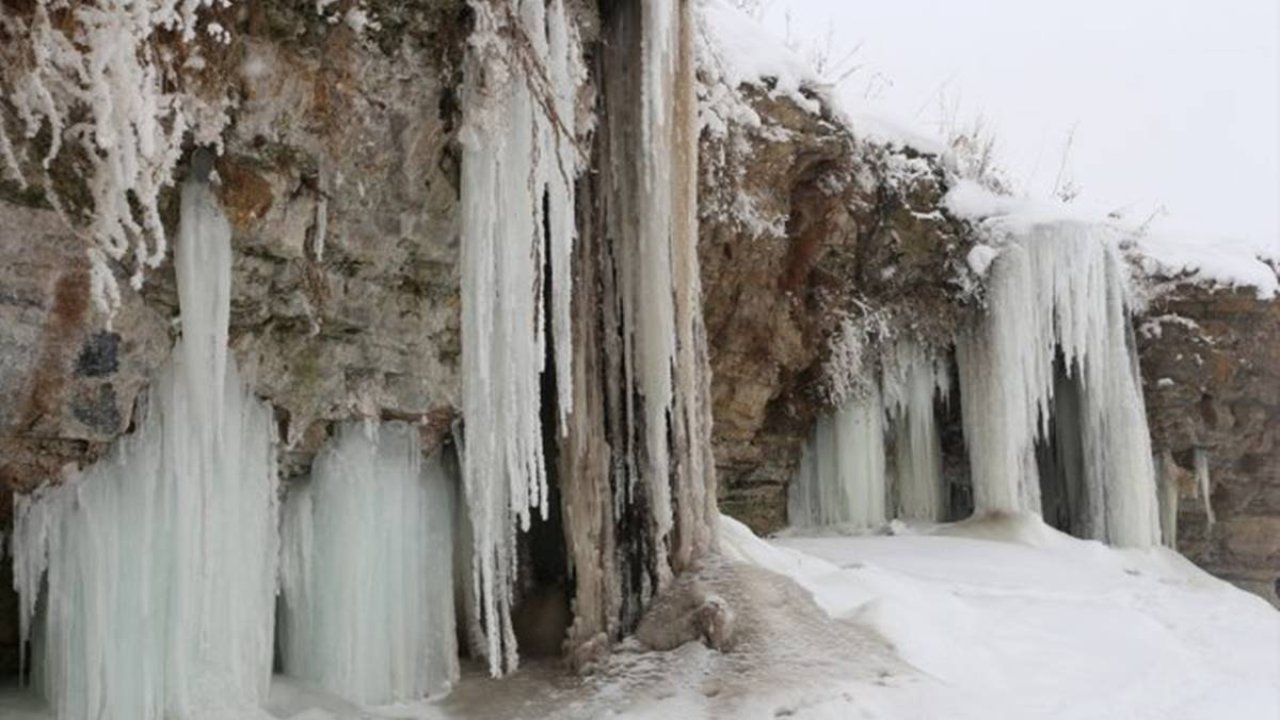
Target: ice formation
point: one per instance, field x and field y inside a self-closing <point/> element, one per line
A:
<point x="156" y="566"/>
<point x="1059" y="290"/>
<point x="638" y="364"/>
<point x="1201" y="459"/>
<point x="847" y="475"/>
<point x="913" y="378"/>
<point x="91" y="74"/>
<point x="842" y="469"/>
<point x="518" y="169"/>
<point x="367" y="569"/>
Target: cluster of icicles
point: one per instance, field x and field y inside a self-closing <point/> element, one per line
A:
<point x="1051" y="361"/>
<point x="152" y="582"/>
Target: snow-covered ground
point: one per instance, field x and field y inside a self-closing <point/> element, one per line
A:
<point x="998" y="618"/>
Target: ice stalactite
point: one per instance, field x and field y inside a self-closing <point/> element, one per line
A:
<point x="367" y="569"/>
<point x="1201" y="459"/>
<point x="912" y="379"/>
<point x="158" y="563"/>
<point x="518" y="169"/>
<point x="1059" y="287"/>
<point x="1166" y="476"/>
<point x="626" y="336"/>
<point x="842" y="469"/>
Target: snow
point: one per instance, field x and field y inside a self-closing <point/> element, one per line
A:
<point x="1159" y="252"/>
<point x="998" y="618"/>
<point x="367" y="571"/>
<point x="741" y="52"/>
<point x="736" y="50"/>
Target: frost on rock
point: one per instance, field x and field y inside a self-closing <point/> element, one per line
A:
<point x="1058" y="293"/>
<point x="95" y="76"/>
<point x="518" y="168"/>
<point x="147" y="582"/>
<point x="367" y="569"/>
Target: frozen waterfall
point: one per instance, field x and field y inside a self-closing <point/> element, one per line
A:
<point x="367" y="569"/>
<point x="1059" y="289"/>
<point x="842" y="469"/>
<point x="156" y="567"/>
<point x="1050" y="397"/>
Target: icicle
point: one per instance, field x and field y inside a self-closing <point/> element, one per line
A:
<point x="160" y="559"/>
<point x="912" y="378"/>
<point x="1201" y="457"/>
<point x="1169" y="492"/>
<point x="842" y="469"/>
<point x="367" y="569"/>
<point x="518" y="141"/>
<point x="1059" y="287"/>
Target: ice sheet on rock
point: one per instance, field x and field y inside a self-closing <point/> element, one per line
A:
<point x="367" y="570"/>
<point x="156" y="566"/>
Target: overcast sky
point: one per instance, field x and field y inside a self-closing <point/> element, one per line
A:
<point x="1174" y="102"/>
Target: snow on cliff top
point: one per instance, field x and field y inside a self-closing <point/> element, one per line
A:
<point x="736" y="50"/>
<point x="1162" y="253"/>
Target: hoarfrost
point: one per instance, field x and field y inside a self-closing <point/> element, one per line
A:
<point x="92" y="75"/>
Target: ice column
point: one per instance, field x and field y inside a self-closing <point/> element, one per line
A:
<point x="1059" y="287"/>
<point x="158" y="563"/>
<point x="367" y="569"/>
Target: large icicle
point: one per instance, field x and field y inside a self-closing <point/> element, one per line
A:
<point x="518" y="141"/>
<point x="367" y="570"/>
<point x="160" y="559"/>
<point x="1059" y="287"/>
<point x="842" y="469"/>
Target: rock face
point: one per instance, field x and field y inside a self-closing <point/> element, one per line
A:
<point x="814" y="231"/>
<point x="339" y="178"/>
<point x="1211" y="365"/>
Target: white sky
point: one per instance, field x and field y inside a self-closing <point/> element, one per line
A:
<point x="1174" y="102"/>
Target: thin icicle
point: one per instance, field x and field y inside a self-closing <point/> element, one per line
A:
<point x="1201" y="458"/>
